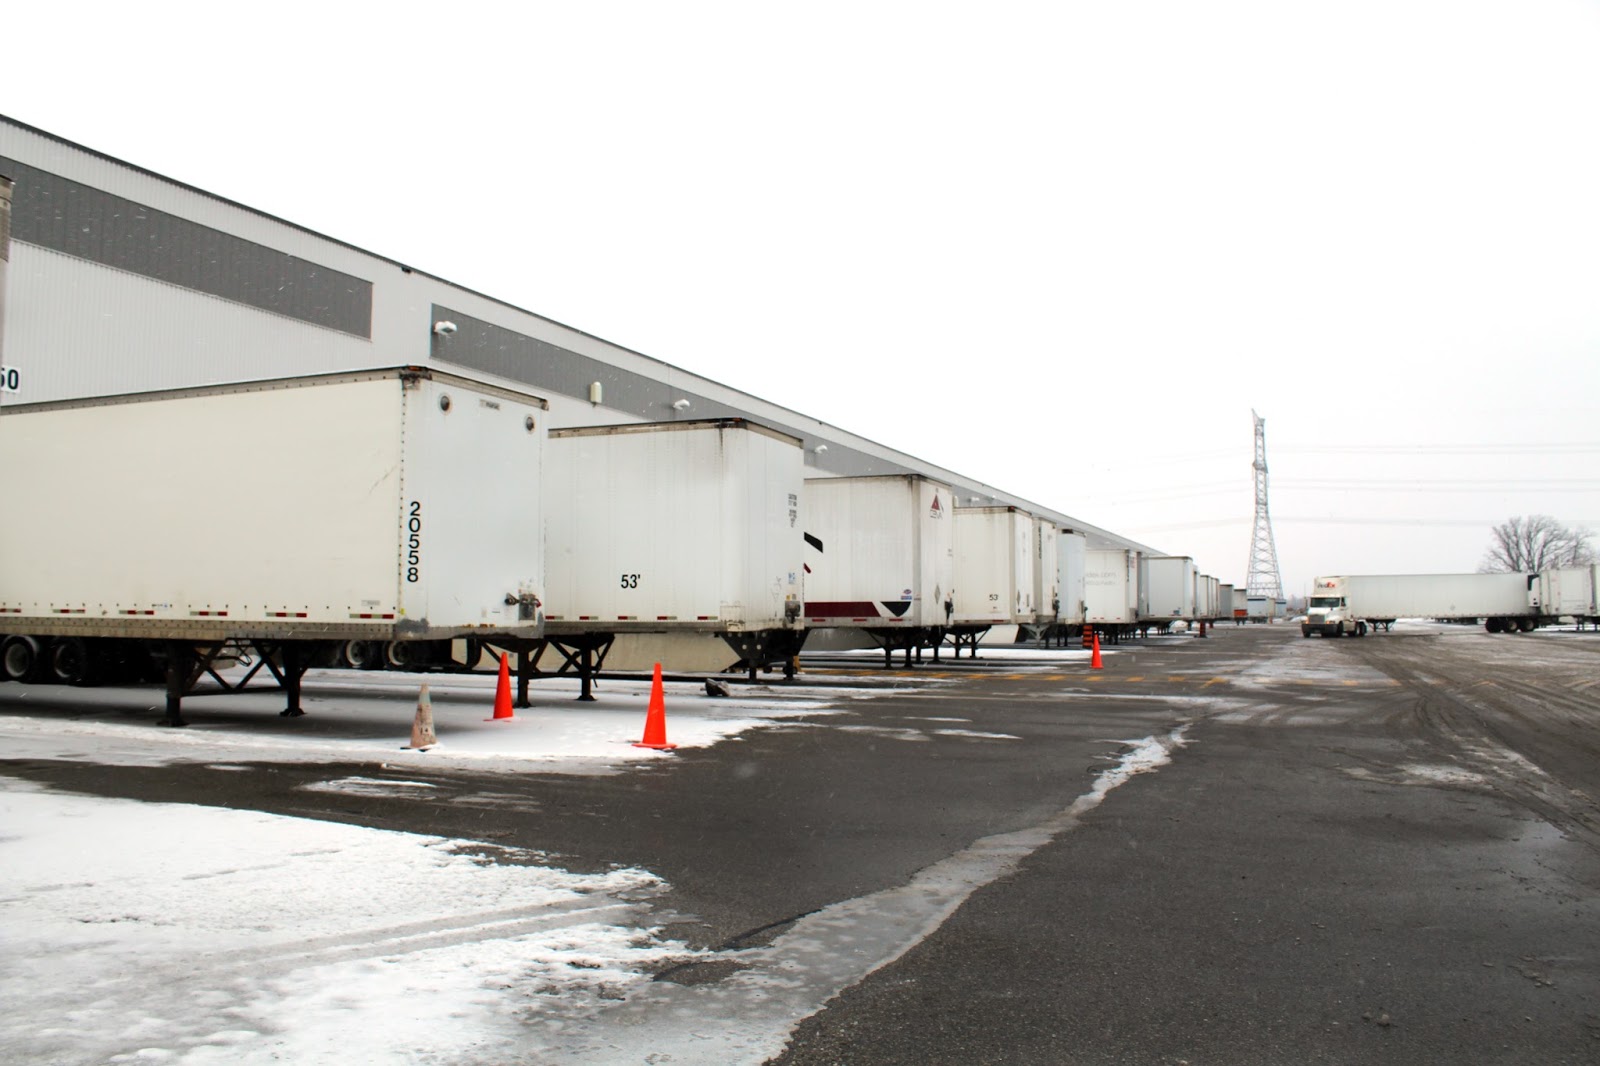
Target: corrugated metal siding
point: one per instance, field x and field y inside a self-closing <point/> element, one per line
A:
<point x="550" y="368"/>
<point x="78" y="220"/>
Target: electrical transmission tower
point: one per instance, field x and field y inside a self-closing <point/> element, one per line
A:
<point x="1263" y="579"/>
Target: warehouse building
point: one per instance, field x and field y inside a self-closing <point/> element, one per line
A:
<point x="121" y="280"/>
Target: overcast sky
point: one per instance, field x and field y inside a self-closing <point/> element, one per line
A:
<point x="1064" y="248"/>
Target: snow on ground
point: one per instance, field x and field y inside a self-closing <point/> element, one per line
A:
<point x="169" y="933"/>
<point x="166" y="933"/>
<point x="369" y="717"/>
<point x="179" y="934"/>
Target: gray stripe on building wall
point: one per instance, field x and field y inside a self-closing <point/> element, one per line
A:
<point x="553" y="370"/>
<point x="79" y="220"/>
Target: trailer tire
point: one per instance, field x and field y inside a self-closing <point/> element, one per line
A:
<point x="1527" y="625"/>
<point x="23" y="658"/>
<point x="73" y="662"/>
<point x="405" y="654"/>
<point x="361" y="654"/>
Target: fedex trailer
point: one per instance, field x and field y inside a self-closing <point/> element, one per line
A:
<point x="1348" y="605"/>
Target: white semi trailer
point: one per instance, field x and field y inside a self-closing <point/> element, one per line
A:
<point x="387" y="506"/>
<point x="1071" y="548"/>
<point x="1348" y="605"/>
<point x="674" y="527"/>
<point x="994" y="579"/>
<point x="1046" y="572"/>
<point x="1167" y="588"/>
<point x="880" y="559"/>
<point x="1570" y="592"/>
<point x="1111" y="590"/>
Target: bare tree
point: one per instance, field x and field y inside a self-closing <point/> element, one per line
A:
<point x="1536" y="542"/>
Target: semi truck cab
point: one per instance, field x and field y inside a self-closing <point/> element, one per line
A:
<point x="1328" y="611"/>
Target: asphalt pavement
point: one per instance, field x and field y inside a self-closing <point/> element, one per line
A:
<point x="1362" y="851"/>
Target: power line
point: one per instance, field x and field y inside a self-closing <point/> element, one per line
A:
<point x="1562" y="448"/>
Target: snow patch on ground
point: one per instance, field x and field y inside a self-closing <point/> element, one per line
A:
<point x="369" y="717"/>
<point x="140" y="932"/>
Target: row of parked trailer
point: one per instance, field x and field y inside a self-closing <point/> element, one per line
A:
<point x="410" y="517"/>
<point x="232" y="438"/>
<point x="1350" y="605"/>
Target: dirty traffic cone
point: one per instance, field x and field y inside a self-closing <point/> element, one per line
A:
<point x="1094" y="660"/>
<point x="422" y="735"/>
<point x="655" y="720"/>
<point x="502" y="692"/>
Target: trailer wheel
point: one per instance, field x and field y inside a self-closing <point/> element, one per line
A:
<point x="1527" y="625"/>
<point x="405" y="654"/>
<point x="73" y="662"/>
<point x="361" y="654"/>
<point x="23" y="658"/>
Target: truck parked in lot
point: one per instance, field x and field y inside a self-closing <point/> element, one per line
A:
<point x="1111" y="591"/>
<point x="995" y="554"/>
<point x="1349" y="605"/>
<point x="1167" y="588"/>
<point x="881" y="559"/>
<point x="281" y="520"/>
<point x="1071" y="549"/>
<point x="680" y="528"/>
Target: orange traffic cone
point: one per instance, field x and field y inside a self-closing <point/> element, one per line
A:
<point x="655" y="720"/>
<point x="422" y="735"/>
<point x="502" y="692"/>
<point x="1094" y="660"/>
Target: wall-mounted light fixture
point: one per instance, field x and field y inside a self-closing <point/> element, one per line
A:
<point x="681" y="405"/>
<point x="819" y="449"/>
<point x="444" y="328"/>
<point x="595" y="391"/>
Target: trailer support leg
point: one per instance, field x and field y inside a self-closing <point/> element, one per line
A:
<point x="294" y="668"/>
<point x="180" y="671"/>
<point x="586" y="675"/>
<point x="524" y="674"/>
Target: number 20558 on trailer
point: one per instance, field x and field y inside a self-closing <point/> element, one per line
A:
<point x="388" y="504"/>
